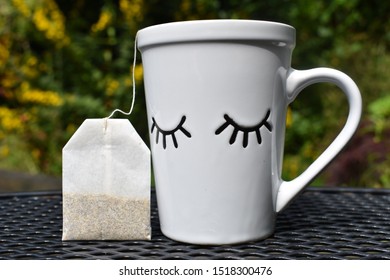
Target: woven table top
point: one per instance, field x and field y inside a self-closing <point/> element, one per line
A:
<point x="320" y="224"/>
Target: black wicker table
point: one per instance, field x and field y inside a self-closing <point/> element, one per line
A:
<point x="320" y="224"/>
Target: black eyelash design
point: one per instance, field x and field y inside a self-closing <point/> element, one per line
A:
<point x="165" y="133"/>
<point x="245" y="130"/>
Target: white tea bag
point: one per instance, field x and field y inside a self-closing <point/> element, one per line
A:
<point x="106" y="183"/>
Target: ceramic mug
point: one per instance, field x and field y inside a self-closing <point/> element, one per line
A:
<point x="217" y="93"/>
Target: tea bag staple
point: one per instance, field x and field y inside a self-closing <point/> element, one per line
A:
<point x="106" y="183"/>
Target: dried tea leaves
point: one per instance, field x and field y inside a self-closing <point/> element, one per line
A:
<point x="101" y="217"/>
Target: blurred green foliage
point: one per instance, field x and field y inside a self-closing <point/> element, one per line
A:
<point x="64" y="61"/>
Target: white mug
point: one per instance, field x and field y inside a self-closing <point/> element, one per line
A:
<point x="217" y="93"/>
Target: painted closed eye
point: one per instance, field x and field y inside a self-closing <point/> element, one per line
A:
<point x="245" y="129"/>
<point x="172" y="132"/>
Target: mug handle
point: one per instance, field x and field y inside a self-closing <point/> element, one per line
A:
<point x="297" y="80"/>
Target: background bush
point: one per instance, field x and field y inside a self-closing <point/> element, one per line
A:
<point x="64" y="61"/>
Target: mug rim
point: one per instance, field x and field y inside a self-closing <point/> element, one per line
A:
<point x="217" y="30"/>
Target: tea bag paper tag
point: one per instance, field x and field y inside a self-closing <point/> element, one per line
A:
<point x="106" y="183"/>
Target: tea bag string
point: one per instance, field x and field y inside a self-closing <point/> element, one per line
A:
<point x="133" y="81"/>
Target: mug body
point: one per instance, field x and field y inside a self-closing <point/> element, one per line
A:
<point x="216" y="105"/>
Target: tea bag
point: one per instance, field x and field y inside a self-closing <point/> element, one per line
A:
<point x="106" y="183"/>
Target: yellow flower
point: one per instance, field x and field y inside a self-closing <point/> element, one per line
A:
<point x="138" y="73"/>
<point x="131" y="9"/>
<point x="49" y="19"/>
<point x="22" y="7"/>
<point x="9" y="120"/>
<point x="29" y="69"/>
<point x="112" y="86"/>
<point x="42" y="97"/>
<point x="104" y="20"/>
<point x="32" y="61"/>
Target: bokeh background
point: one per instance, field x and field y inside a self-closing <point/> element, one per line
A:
<point x="64" y="61"/>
